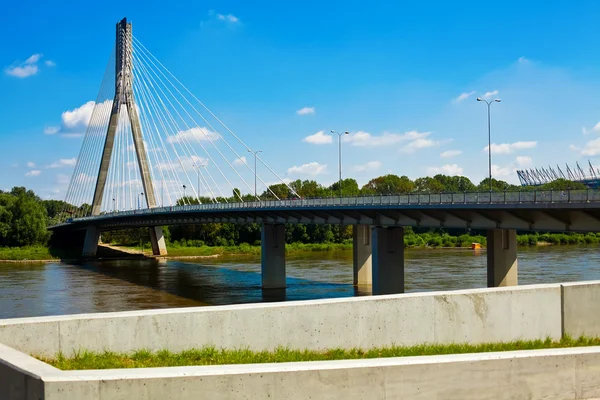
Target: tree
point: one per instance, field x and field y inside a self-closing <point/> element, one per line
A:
<point x="429" y="185"/>
<point x="280" y="190"/>
<point x="562" y="184"/>
<point x="29" y="222"/>
<point x="349" y="187"/>
<point x="497" y="186"/>
<point x="389" y="184"/>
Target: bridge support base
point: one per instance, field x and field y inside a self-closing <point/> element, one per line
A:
<point x="159" y="248"/>
<point x="388" y="260"/>
<point x="362" y="252"/>
<point x="273" y="256"/>
<point x="90" y="243"/>
<point x="501" y="257"/>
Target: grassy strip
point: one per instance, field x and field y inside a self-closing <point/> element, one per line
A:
<point x="212" y="356"/>
<point x="26" y="253"/>
<point x="183" y="251"/>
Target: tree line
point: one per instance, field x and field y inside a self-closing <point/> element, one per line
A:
<point x="24" y="217"/>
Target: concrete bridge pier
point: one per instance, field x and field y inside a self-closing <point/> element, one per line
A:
<point x="90" y="243"/>
<point x="362" y="255"/>
<point x="388" y="260"/>
<point x="157" y="240"/>
<point x="273" y="256"/>
<point x="501" y="257"/>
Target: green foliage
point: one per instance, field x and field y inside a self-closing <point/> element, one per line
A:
<point x="389" y="184"/>
<point x="210" y="355"/>
<point x="23" y="219"/>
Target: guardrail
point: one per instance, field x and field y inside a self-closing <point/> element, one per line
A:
<point x="532" y="197"/>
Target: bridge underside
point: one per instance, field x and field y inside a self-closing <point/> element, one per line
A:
<point x="569" y="217"/>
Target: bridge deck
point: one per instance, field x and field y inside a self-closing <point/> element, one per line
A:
<point x="575" y="210"/>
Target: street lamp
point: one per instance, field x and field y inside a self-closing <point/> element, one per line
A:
<point x="340" y="155"/>
<point x="139" y="203"/>
<point x="489" y="134"/>
<point x="255" y="155"/>
<point x="183" y="194"/>
<point x="114" y="207"/>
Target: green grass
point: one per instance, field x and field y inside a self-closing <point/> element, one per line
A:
<point x="213" y="356"/>
<point x="26" y="253"/>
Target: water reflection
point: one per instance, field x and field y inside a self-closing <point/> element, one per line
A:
<point x="51" y="289"/>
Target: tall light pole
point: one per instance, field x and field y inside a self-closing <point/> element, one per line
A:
<point x="489" y="135"/>
<point x="139" y="203"/>
<point x="255" y="155"/>
<point x="340" y="156"/>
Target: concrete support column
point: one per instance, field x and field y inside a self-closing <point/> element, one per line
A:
<point x="501" y="257"/>
<point x="273" y="256"/>
<point x="362" y="252"/>
<point x="388" y="260"/>
<point x="159" y="248"/>
<point x="90" y="243"/>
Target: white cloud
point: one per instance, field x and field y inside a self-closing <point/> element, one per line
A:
<point x="506" y="148"/>
<point x="34" y="58"/>
<point x="318" y="138"/>
<point x="420" y="143"/>
<point x="523" y="60"/>
<point x="63" y="162"/>
<point x="22" y="72"/>
<point x="365" y="139"/>
<point x="450" y="153"/>
<point x="50" y="63"/>
<point x="591" y="148"/>
<point x="51" y="130"/>
<point x="595" y="129"/>
<point x="228" y="17"/>
<point x="79" y="116"/>
<point x="370" y="166"/>
<point x="24" y="69"/>
<point x="196" y="133"/>
<point x="306" y="111"/>
<point x="31" y="164"/>
<point x="524" y="161"/>
<point x="487" y="95"/>
<point x="240" y="161"/>
<point x="502" y="172"/>
<point x="448" y="169"/>
<point x="75" y="122"/>
<point x="464" y="96"/>
<point x="33" y="172"/>
<point x="310" y="169"/>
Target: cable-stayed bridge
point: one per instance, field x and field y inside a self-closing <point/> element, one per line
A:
<point x="155" y="155"/>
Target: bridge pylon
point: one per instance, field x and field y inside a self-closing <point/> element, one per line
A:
<point x="124" y="97"/>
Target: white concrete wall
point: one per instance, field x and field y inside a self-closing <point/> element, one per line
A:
<point x="482" y="315"/>
<point x="581" y="309"/>
<point x="538" y="374"/>
<point x="20" y="375"/>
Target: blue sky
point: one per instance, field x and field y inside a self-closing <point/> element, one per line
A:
<point x="402" y="77"/>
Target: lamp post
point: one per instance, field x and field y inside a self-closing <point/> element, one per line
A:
<point x="139" y="202"/>
<point x="255" y="155"/>
<point x="340" y="155"/>
<point x="183" y="194"/>
<point x="489" y="135"/>
<point x="114" y="207"/>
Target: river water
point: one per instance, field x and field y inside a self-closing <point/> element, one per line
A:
<point x="55" y="288"/>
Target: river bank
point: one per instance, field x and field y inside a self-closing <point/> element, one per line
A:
<point x="411" y="241"/>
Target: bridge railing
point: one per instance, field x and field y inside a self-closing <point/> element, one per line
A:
<point x="538" y="196"/>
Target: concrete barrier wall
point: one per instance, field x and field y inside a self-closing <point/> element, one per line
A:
<point x="538" y="374"/>
<point x="581" y="309"/>
<point x="475" y="316"/>
<point x="20" y="375"/>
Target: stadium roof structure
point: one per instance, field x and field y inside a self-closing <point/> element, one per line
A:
<point x="540" y="176"/>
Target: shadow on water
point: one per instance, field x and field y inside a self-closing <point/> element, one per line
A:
<point x="216" y="284"/>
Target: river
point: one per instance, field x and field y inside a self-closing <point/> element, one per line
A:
<point x="28" y="290"/>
